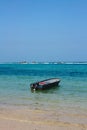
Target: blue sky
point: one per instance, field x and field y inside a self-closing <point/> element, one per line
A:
<point x="43" y="30"/>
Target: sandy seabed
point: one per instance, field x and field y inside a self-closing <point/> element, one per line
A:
<point x="26" y="119"/>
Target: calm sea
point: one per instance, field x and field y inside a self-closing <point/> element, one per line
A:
<point x="15" y="89"/>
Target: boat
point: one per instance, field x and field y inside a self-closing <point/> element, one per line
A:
<point x="45" y="84"/>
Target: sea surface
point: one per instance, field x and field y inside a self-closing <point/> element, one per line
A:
<point x="71" y="93"/>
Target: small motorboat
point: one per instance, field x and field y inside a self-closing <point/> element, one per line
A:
<point x="45" y="84"/>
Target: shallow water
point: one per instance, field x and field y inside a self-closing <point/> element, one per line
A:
<point x="71" y="93"/>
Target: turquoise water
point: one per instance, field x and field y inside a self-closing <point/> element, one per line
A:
<point x="71" y="93"/>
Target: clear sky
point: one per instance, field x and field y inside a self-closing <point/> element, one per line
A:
<point x="43" y="30"/>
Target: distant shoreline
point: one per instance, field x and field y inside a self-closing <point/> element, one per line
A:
<point x="25" y="62"/>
